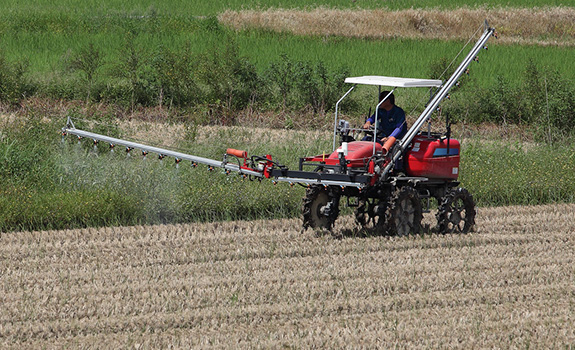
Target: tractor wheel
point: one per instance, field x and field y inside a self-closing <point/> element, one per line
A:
<point x="456" y="213"/>
<point x="320" y="207"/>
<point x="404" y="214"/>
<point x="370" y="214"/>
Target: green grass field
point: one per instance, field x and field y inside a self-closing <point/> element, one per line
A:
<point x="45" y="35"/>
<point x="47" y="51"/>
<point x="202" y="8"/>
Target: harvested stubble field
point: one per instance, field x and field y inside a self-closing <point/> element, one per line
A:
<point x="539" y="26"/>
<point x="510" y="284"/>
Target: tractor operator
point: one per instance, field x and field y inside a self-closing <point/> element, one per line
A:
<point x="391" y="120"/>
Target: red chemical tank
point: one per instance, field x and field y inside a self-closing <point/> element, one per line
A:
<point x="433" y="157"/>
<point x="358" y="154"/>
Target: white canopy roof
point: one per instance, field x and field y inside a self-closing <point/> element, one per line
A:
<point x="393" y="81"/>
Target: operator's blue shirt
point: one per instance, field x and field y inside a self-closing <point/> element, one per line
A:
<point x="389" y="121"/>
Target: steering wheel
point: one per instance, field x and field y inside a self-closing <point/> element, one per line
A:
<point x="369" y="133"/>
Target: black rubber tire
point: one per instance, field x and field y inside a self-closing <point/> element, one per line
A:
<point x="370" y="214"/>
<point x="317" y="200"/>
<point x="456" y="214"/>
<point x="404" y="213"/>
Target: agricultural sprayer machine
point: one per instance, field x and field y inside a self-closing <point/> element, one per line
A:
<point x="388" y="184"/>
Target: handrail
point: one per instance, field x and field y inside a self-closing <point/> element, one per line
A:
<point x="336" y="110"/>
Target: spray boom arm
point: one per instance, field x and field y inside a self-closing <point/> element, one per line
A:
<point x="255" y="167"/>
<point x="211" y="163"/>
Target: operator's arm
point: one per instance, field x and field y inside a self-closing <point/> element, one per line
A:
<point x="369" y="122"/>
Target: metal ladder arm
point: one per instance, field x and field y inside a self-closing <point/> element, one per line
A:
<point x="439" y="96"/>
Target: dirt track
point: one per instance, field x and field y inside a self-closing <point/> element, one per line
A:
<point x="264" y="284"/>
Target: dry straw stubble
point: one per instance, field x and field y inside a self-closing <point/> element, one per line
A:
<point x="541" y="26"/>
<point x="264" y="284"/>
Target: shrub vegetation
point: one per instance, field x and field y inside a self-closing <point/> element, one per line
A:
<point x="204" y="73"/>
